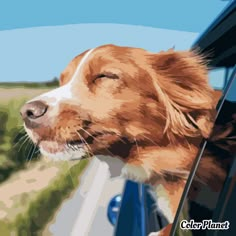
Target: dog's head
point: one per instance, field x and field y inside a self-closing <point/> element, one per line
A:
<point x="113" y="98"/>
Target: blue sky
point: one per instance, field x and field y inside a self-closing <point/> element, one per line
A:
<point x="186" y="15"/>
<point x="39" y="38"/>
<point x="41" y="53"/>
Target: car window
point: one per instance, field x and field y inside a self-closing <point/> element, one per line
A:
<point x="205" y="200"/>
<point x="219" y="77"/>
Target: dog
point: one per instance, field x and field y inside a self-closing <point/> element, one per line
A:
<point x="149" y="110"/>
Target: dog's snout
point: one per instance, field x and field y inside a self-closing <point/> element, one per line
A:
<point x="33" y="110"/>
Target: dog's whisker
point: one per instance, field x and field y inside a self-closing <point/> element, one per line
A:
<point x="26" y="141"/>
<point x="89" y="151"/>
<point x="20" y="140"/>
<point x="28" y="144"/>
<point x="118" y="135"/>
<point x="21" y="132"/>
<point x="31" y="152"/>
<point x="94" y="139"/>
<point x="66" y="146"/>
<point x="37" y="153"/>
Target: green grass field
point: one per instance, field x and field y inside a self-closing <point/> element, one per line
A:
<point x="31" y="189"/>
<point x="13" y="149"/>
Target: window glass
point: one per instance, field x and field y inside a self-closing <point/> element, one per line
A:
<point x="217" y="78"/>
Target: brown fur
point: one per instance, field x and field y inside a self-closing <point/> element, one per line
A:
<point x="156" y="107"/>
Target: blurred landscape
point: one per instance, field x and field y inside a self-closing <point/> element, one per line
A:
<point x="32" y="188"/>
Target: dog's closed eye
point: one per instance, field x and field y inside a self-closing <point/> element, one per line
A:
<point x="106" y="75"/>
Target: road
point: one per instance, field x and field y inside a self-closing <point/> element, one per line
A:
<point x="85" y="213"/>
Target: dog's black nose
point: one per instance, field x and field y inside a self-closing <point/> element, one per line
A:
<point x="33" y="110"/>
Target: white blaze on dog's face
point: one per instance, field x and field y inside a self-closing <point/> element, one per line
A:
<point x="112" y="100"/>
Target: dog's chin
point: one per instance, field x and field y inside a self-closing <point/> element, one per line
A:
<point x="60" y="151"/>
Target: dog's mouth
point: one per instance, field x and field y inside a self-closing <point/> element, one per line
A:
<point x="53" y="146"/>
<point x="86" y="145"/>
<point x="105" y="143"/>
<point x="70" y="150"/>
<point x="75" y="144"/>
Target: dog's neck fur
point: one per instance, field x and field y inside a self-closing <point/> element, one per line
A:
<point x="172" y="163"/>
<point x="152" y="163"/>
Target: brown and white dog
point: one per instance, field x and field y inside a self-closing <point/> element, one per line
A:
<point x="149" y="110"/>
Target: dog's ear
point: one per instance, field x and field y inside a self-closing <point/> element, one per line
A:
<point x="181" y="83"/>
